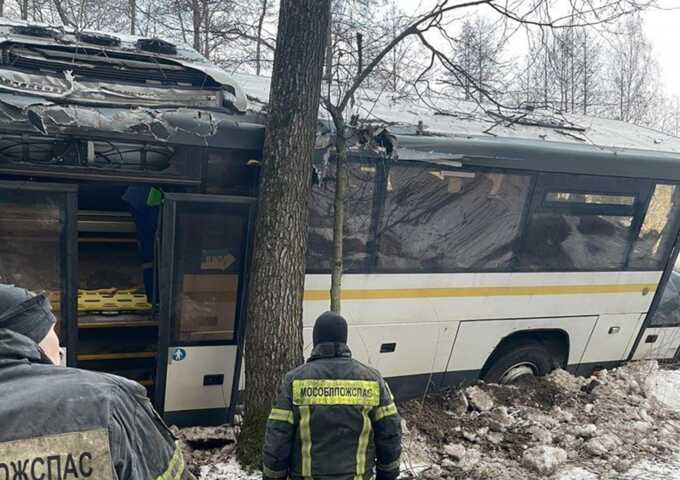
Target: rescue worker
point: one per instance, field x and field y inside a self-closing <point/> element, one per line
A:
<point x="334" y="418"/>
<point x="64" y="423"/>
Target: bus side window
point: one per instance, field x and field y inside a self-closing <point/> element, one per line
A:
<point x="437" y="220"/>
<point x="656" y="236"/>
<point x="357" y="223"/>
<point x="579" y="223"/>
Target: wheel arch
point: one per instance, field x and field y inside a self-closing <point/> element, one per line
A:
<point x="555" y="339"/>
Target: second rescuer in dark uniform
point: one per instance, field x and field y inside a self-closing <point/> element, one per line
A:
<point x="334" y="418"/>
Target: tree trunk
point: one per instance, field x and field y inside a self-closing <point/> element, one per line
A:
<point x="2" y="8"/>
<point x="133" y="17"/>
<point x="206" y="36"/>
<point x="62" y="14"/>
<point x="585" y="75"/>
<point x="258" y="46"/>
<point x="24" y="9"/>
<point x="339" y="211"/>
<point x="196" y="19"/>
<point x="274" y="331"/>
<point x="178" y="5"/>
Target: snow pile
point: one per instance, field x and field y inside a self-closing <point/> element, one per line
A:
<point x="230" y="470"/>
<point x="667" y="388"/>
<point x="621" y="424"/>
<point x="562" y="425"/>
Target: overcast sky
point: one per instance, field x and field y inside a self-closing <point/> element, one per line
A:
<point x="662" y="28"/>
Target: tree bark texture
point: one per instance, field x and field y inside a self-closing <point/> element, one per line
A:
<point x="276" y="287"/>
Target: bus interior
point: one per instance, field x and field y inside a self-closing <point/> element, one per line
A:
<point x="98" y="231"/>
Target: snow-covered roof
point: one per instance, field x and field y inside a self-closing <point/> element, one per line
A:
<point x="442" y="116"/>
<point x="15" y="31"/>
<point x="466" y="133"/>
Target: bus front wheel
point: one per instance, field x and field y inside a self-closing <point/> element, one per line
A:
<point x="518" y="361"/>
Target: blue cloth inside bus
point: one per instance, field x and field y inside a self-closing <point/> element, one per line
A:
<point x="146" y="222"/>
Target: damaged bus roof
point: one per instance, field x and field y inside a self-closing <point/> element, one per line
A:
<point x="181" y="126"/>
<point x="58" y="82"/>
<point x="461" y="133"/>
<point x="97" y="68"/>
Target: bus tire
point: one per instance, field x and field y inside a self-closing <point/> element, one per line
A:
<point x="518" y="360"/>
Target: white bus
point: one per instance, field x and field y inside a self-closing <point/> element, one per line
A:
<point x="470" y="256"/>
<point x="517" y="258"/>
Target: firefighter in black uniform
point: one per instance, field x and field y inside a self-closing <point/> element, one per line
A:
<point x="63" y="423"/>
<point x="334" y="418"/>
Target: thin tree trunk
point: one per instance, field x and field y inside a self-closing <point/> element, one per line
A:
<point x="24" y="9"/>
<point x="196" y="18"/>
<point x="585" y="76"/>
<point x="328" y="75"/>
<point x="276" y="286"/>
<point x="206" y="37"/>
<point x="181" y="21"/>
<point x="133" y="17"/>
<point x="339" y="212"/>
<point x="258" y="46"/>
<point x="2" y="8"/>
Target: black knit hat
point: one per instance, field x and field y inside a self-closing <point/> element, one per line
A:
<point x="330" y="327"/>
<point x="26" y="313"/>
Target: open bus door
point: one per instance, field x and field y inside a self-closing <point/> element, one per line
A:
<point x="38" y="248"/>
<point x="202" y="284"/>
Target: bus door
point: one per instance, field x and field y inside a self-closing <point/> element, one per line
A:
<point x="660" y="334"/>
<point x="202" y="284"/>
<point x="38" y="249"/>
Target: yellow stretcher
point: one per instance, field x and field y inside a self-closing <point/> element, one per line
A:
<point x="112" y="301"/>
<point x="106" y="301"/>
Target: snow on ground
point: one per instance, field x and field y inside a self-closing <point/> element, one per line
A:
<point x="228" y="471"/>
<point x="645" y="470"/>
<point x="667" y="388"/>
<point x="623" y="424"/>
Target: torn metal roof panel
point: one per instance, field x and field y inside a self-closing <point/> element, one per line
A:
<point x="94" y="67"/>
<point x="184" y="126"/>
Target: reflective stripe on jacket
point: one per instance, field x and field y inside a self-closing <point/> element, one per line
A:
<point x="63" y="423"/>
<point x="334" y="418"/>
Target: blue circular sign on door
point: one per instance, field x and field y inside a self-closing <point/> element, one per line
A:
<point x="179" y="354"/>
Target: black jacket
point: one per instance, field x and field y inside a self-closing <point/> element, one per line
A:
<point x="64" y="423"/>
<point x="334" y="419"/>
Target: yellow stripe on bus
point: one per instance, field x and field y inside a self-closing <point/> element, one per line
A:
<point x="389" y="293"/>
